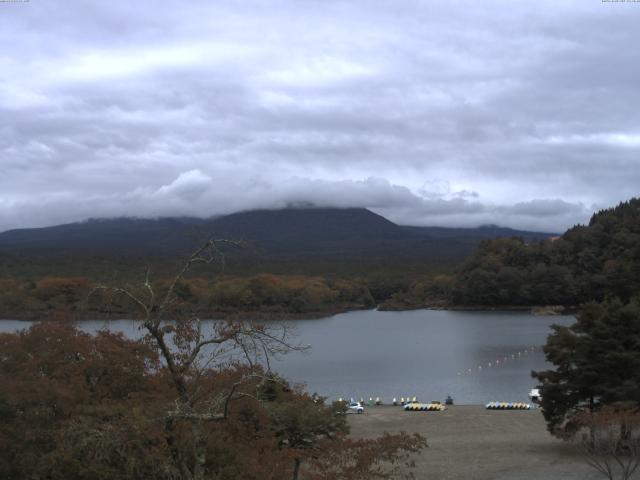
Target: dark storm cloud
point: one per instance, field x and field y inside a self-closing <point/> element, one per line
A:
<point x="463" y="113"/>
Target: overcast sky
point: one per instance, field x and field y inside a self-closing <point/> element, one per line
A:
<point x="520" y="113"/>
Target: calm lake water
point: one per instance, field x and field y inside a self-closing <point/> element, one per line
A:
<point x="475" y="357"/>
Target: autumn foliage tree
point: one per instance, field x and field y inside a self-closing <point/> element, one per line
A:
<point x="257" y="295"/>
<point x="81" y="406"/>
<point x="54" y="377"/>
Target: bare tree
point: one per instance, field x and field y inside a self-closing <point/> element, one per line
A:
<point x="609" y="440"/>
<point x="190" y="349"/>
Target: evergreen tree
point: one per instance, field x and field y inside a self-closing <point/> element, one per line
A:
<point x="597" y="362"/>
<point x="586" y="263"/>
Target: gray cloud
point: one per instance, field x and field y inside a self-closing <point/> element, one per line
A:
<point x="521" y="114"/>
<point x="198" y="194"/>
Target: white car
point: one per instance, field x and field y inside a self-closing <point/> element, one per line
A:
<point x="535" y="396"/>
<point x="355" y="407"/>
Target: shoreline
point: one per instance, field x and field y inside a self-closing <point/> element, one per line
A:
<point x="537" y="310"/>
<point x="243" y="315"/>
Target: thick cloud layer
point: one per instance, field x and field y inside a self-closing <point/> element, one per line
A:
<point x="523" y="114"/>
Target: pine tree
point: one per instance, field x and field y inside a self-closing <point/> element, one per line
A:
<point x="597" y="362"/>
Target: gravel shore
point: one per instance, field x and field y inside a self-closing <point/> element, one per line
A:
<point x="472" y="443"/>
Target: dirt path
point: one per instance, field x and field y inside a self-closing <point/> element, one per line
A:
<point x="471" y="443"/>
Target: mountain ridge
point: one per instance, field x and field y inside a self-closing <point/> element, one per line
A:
<point x="286" y="234"/>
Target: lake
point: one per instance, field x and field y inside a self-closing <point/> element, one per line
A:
<point x="475" y="356"/>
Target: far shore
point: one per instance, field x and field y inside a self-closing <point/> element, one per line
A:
<point x="541" y="310"/>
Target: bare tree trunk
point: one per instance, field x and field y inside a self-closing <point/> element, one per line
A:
<point x="199" y="450"/>
<point x="176" y="454"/>
<point x="296" y="468"/>
<point x="625" y="436"/>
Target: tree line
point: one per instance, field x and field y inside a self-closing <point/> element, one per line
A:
<point x="262" y="294"/>
<point x="588" y="262"/>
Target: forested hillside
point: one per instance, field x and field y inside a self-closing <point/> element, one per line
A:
<point x="288" y="236"/>
<point x="586" y="263"/>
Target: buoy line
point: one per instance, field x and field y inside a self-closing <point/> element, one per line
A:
<point x="501" y="361"/>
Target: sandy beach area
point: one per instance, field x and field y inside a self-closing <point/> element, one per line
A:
<point x="472" y="443"/>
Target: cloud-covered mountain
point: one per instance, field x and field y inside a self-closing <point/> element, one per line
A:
<point x="300" y="234"/>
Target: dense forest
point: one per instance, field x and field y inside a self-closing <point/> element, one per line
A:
<point x="586" y="263"/>
<point x="292" y="289"/>
<point x="259" y="295"/>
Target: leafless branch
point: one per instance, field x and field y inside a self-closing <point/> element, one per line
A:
<point x="610" y="441"/>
